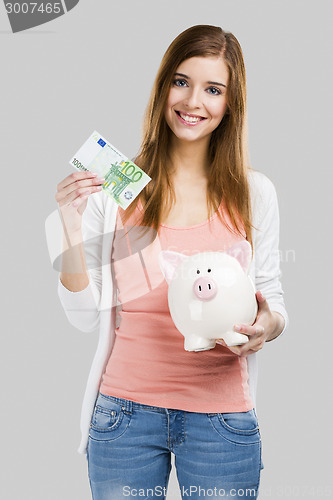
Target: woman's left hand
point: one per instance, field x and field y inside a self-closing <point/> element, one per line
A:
<point x="262" y="329"/>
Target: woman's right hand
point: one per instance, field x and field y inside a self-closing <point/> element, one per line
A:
<point x="72" y="197"/>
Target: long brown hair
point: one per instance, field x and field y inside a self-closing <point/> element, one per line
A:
<point x="228" y="154"/>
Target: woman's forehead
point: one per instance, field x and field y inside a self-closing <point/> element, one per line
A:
<point x="212" y="67"/>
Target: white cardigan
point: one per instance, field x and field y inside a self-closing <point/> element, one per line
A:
<point x="94" y="308"/>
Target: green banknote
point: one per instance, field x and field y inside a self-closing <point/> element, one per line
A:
<point x="123" y="179"/>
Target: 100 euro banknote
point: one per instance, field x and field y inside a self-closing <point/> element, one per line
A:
<point x="123" y="179"/>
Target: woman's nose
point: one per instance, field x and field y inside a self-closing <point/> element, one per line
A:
<point x="193" y="98"/>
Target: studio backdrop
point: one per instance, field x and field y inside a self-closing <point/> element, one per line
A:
<point x="69" y="68"/>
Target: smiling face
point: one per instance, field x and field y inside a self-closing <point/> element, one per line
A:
<point x="197" y="98"/>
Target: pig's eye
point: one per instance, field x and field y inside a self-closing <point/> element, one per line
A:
<point x="208" y="270"/>
<point x="198" y="272"/>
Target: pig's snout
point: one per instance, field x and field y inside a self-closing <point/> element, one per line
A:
<point x="205" y="288"/>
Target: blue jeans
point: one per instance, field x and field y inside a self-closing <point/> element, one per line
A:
<point x="129" y="452"/>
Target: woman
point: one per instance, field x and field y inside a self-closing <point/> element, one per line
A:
<point x="149" y="397"/>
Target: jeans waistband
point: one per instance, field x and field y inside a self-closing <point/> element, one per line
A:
<point x="129" y="405"/>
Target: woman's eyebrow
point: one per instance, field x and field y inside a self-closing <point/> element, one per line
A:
<point x="210" y="83"/>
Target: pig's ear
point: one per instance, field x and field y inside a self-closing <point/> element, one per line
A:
<point x="242" y="252"/>
<point x="169" y="261"/>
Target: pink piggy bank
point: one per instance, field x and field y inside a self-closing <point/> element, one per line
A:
<point x="209" y="293"/>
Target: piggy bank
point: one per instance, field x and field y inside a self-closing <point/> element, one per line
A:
<point x="209" y="293"/>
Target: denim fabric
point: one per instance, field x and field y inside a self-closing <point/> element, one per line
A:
<point x="130" y="444"/>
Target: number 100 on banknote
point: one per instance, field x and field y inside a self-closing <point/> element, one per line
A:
<point x="123" y="179"/>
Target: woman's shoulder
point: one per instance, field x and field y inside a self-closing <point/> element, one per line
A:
<point x="262" y="192"/>
<point x="259" y="182"/>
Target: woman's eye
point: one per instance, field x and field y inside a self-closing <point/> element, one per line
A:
<point x="179" y="82"/>
<point x="214" y="91"/>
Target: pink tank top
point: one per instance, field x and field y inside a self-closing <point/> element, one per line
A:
<point x="148" y="363"/>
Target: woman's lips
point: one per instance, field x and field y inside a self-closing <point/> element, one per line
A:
<point x="189" y="119"/>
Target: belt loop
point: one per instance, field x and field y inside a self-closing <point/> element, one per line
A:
<point x="128" y="405"/>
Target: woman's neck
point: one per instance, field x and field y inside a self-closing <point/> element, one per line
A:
<point x="189" y="160"/>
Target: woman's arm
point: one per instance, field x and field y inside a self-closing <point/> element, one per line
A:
<point x="272" y="317"/>
<point x="74" y="275"/>
<point x="278" y="327"/>
<point x="80" y="280"/>
<point x="267" y="255"/>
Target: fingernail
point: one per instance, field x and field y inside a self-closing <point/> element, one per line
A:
<point x="238" y="328"/>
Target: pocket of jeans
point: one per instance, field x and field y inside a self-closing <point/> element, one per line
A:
<point x="104" y="419"/>
<point x="109" y="420"/>
<point x="237" y="427"/>
<point x="240" y="422"/>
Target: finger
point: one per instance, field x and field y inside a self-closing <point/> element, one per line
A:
<point x="260" y="330"/>
<point x="250" y="351"/>
<point x="247" y="353"/>
<point x="79" y="200"/>
<point x="221" y="342"/>
<point x="235" y="349"/>
<point x="78" y="183"/>
<point x="74" y="202"/>
<point x="67" y="198"/>
<point x="75" y="176"/>
<point x="262" y="302"/>
<point x="255" y="329"/>
<point x="259" y="296"/>
<point x="252" y="346"/>
<point x="246" y="329"/>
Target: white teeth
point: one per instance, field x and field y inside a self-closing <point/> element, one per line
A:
<point x="190" y="119"/>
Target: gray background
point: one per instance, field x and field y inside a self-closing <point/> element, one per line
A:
<point x="93" y="68"/>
